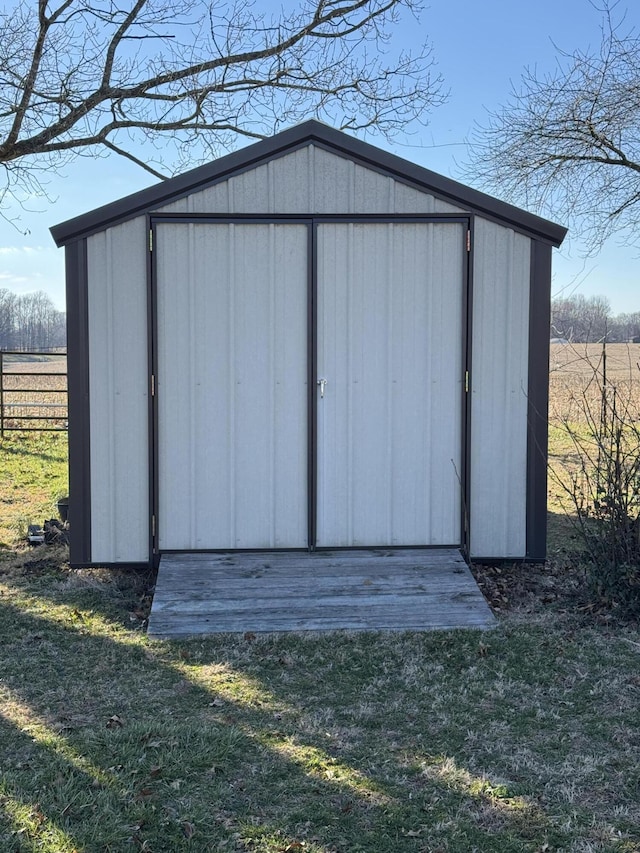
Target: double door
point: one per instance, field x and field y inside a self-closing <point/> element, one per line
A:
<point x="309" y="383"/>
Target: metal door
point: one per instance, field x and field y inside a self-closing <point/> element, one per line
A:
<point x="240" y="463"/>
<point x="389" y="434"/>
<point x="232" y="386"/>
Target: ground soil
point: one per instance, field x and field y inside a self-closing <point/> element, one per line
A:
<point x="529" y="586"/>
<point x="535" y="589"/>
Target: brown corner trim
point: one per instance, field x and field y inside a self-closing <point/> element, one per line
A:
<point x="79" y="403"/>
<point x="538" y="400"/>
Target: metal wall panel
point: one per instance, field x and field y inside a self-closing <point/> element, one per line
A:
<point x="310" y="180"/>
<point x="498" y="468"/>
<point x="390" y="306"/>
<point x="118" y="380"/>
<point x="408" y="199"/>
<point x="232" y="385"/>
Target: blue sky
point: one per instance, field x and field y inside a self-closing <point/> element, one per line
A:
<point x="481" y="48"/>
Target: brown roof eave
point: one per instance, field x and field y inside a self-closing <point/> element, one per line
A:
<point x="308" y="132"/>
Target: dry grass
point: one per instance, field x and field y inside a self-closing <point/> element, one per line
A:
<point x="571" y="378"/>
<point x="575" y="383"/>
<point x="27" y="395"/>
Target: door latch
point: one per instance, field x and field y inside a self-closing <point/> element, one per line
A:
<point x="322" y="383"/>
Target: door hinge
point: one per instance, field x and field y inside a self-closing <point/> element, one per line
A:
<point x="153" y="526"/>
<point x="151" y="239"/>
<point x="153" y="385"/>
<point x="468" y="240"/>
<point x="466" y="381"/>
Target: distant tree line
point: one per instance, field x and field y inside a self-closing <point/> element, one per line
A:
<point x="585" y="320"/>
<point x="30" y="322"/>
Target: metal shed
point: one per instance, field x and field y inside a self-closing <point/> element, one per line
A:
<point x="307" y="344"/>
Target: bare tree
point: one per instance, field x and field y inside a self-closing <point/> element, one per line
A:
<point x="567" y="144"/>
<point x="87" y="76"/>
<point x="627" y="327"/>
<point x="581" y="319"/>
<point x="7" y="318"/>
<point x="30" y="322"/>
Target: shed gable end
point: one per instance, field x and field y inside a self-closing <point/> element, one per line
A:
<point x="310" y="180"/>
<point x="308" y="169"/>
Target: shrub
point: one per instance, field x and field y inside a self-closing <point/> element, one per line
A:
<point x="602" y="484"/>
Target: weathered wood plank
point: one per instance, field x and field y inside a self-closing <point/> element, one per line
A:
<point x="294" y="553"/>
<point x="307" y="566"/>
<point x="329" y="608"/>
<point x="372" y="613"/>
<point x="302" y="561"/>
<point x="304" y="603"/>
<point x="297" y="591"/>
<point x="268" y="599"/>
<point x="291" y="591"/>
<point x="303" y="574"/>
<point x="271" y="586"/>
<point x="207" y="624"/>
<point x="345" y="559"/>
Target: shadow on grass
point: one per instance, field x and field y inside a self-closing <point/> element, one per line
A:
<point x="15" y="444"/>
<point x="566" y="549"/>
<point x="109" y="741"/>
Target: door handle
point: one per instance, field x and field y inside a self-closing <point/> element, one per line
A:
<point x="322" y="383"/>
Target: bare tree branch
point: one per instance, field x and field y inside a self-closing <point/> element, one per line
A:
<point x="146" y="166"/>
<point x="189" y="76"/>
<point x="567" y="144"/>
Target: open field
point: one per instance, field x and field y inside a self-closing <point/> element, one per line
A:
<point x="524" y="738"/>
<point x="578" y="373"/>
<point x="576" y="361"/>
<point x="53" y="362"/>
<point x="33" y="387"/>
<point x="25" y="395"/>
<point x="575" y="370"/>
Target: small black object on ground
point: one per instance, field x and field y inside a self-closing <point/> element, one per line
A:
<point x="53" y="532"/>
<point x="35" y="534"/>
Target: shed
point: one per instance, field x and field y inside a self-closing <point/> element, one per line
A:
<point x="307" y="344"/>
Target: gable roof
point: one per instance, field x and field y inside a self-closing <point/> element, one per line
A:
<point x="307" y="133"/>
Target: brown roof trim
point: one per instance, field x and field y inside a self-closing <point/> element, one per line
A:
<point x="303" y="134"/>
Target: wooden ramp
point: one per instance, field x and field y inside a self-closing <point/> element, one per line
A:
<point x="415" y="590"/>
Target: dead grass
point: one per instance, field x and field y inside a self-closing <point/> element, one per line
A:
<point x="573" y="386"/>
<point x="571" y="375"/>
<point x="27" y="395"/>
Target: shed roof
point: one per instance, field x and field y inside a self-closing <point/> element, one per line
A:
<point x="308" y="133"/>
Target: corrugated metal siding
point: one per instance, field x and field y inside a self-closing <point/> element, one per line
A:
<point x="310" y="180"/>
<point x="118" y="378"/>
<point x="390" y="347"/>
<point x="499" y="391"/>
<point x="232" y="385"/>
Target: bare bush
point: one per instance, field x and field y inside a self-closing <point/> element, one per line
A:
<point x="601" y="482"/>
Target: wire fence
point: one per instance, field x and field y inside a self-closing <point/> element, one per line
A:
<point x="33" y="391"/>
